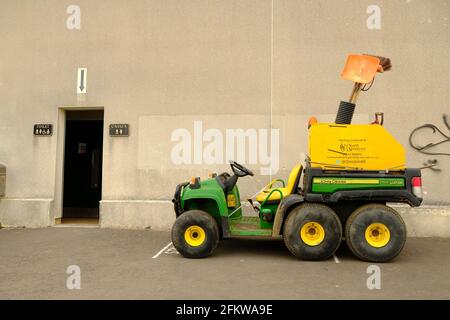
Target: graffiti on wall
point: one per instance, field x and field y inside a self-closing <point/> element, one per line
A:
<point x="431" y="148"/>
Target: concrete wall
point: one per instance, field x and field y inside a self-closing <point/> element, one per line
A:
<point x="162" y="65"/>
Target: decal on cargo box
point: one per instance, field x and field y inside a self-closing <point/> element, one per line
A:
<point x="333" y="184"/>
<point x="350" y="151"/>
<point x="345" y="181"/>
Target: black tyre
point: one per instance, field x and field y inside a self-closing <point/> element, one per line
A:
<point x="375" y="233"/>
<point x="195" y="234"/>
<point x="312" y="232"/>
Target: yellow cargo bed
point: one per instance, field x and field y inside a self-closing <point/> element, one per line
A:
<point x="354" y="146"/>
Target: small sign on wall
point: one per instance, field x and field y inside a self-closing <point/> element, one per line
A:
<point x="82" y="80"/>
<point x="43" y="129"/>
<point x="119" y="130"/>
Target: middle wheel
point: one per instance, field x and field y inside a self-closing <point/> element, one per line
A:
<point x="312" y="232"/>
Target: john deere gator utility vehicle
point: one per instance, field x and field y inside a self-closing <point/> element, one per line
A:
<point x="341" y="190"/>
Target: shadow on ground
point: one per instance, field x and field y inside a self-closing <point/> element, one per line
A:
<point x="269" y="248"/>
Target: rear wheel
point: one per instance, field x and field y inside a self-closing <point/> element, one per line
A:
<point x="375" y="233"/>
<point x="195" y="234"/>
<point x="312" y="232"/>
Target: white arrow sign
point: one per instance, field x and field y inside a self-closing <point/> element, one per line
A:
<point x="82" y="80"/>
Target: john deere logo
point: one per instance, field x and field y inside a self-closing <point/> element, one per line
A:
<point x="345" y="181"/>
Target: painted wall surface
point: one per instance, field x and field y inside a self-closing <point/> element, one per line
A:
<point x="162" y="66"/>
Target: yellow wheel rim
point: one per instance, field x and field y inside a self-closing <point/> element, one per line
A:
<point x="377" y="235"/>
<point x="195" y="236"/>
<point x="312" y="233"/>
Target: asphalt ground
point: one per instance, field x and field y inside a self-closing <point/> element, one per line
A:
<point x="141" y="264"/>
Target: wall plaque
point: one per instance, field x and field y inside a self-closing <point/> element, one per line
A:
<point x="43" y="129"/>
<point x="119" y="130"/>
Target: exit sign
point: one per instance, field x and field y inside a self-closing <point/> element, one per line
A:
<point x="43" y="129"/>
<point x="119" y="130"/>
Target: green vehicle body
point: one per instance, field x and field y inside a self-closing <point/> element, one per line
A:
<point x="336" y="189"/>
<point x="209" y="196"/>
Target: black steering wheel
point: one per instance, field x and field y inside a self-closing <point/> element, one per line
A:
<point x="240" y="170"/>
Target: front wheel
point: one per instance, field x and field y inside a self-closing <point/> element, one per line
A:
<point x="312" y="232"/>
<point x="375" y="233"/>
<point x="195" y="234"/>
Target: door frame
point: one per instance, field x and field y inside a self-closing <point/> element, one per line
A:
<point x="56" y="215"/>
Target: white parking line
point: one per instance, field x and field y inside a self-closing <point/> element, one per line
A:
<point x="161" y="251"/>
<point x="336" y="259"/>
<point x="171" y="250"/>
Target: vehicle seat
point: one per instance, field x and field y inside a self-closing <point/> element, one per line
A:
<point x="291" y="187"/>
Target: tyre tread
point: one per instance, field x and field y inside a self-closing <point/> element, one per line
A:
<point x="354" y="215"/>
<point x="289" y="221"/>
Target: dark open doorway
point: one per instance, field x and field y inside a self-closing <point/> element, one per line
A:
<point x="83" y="164"/>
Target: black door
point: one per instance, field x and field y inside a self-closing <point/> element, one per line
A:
<point x="83" y="164"/>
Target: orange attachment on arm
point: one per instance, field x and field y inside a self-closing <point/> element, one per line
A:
<point x="360" y="68"/>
